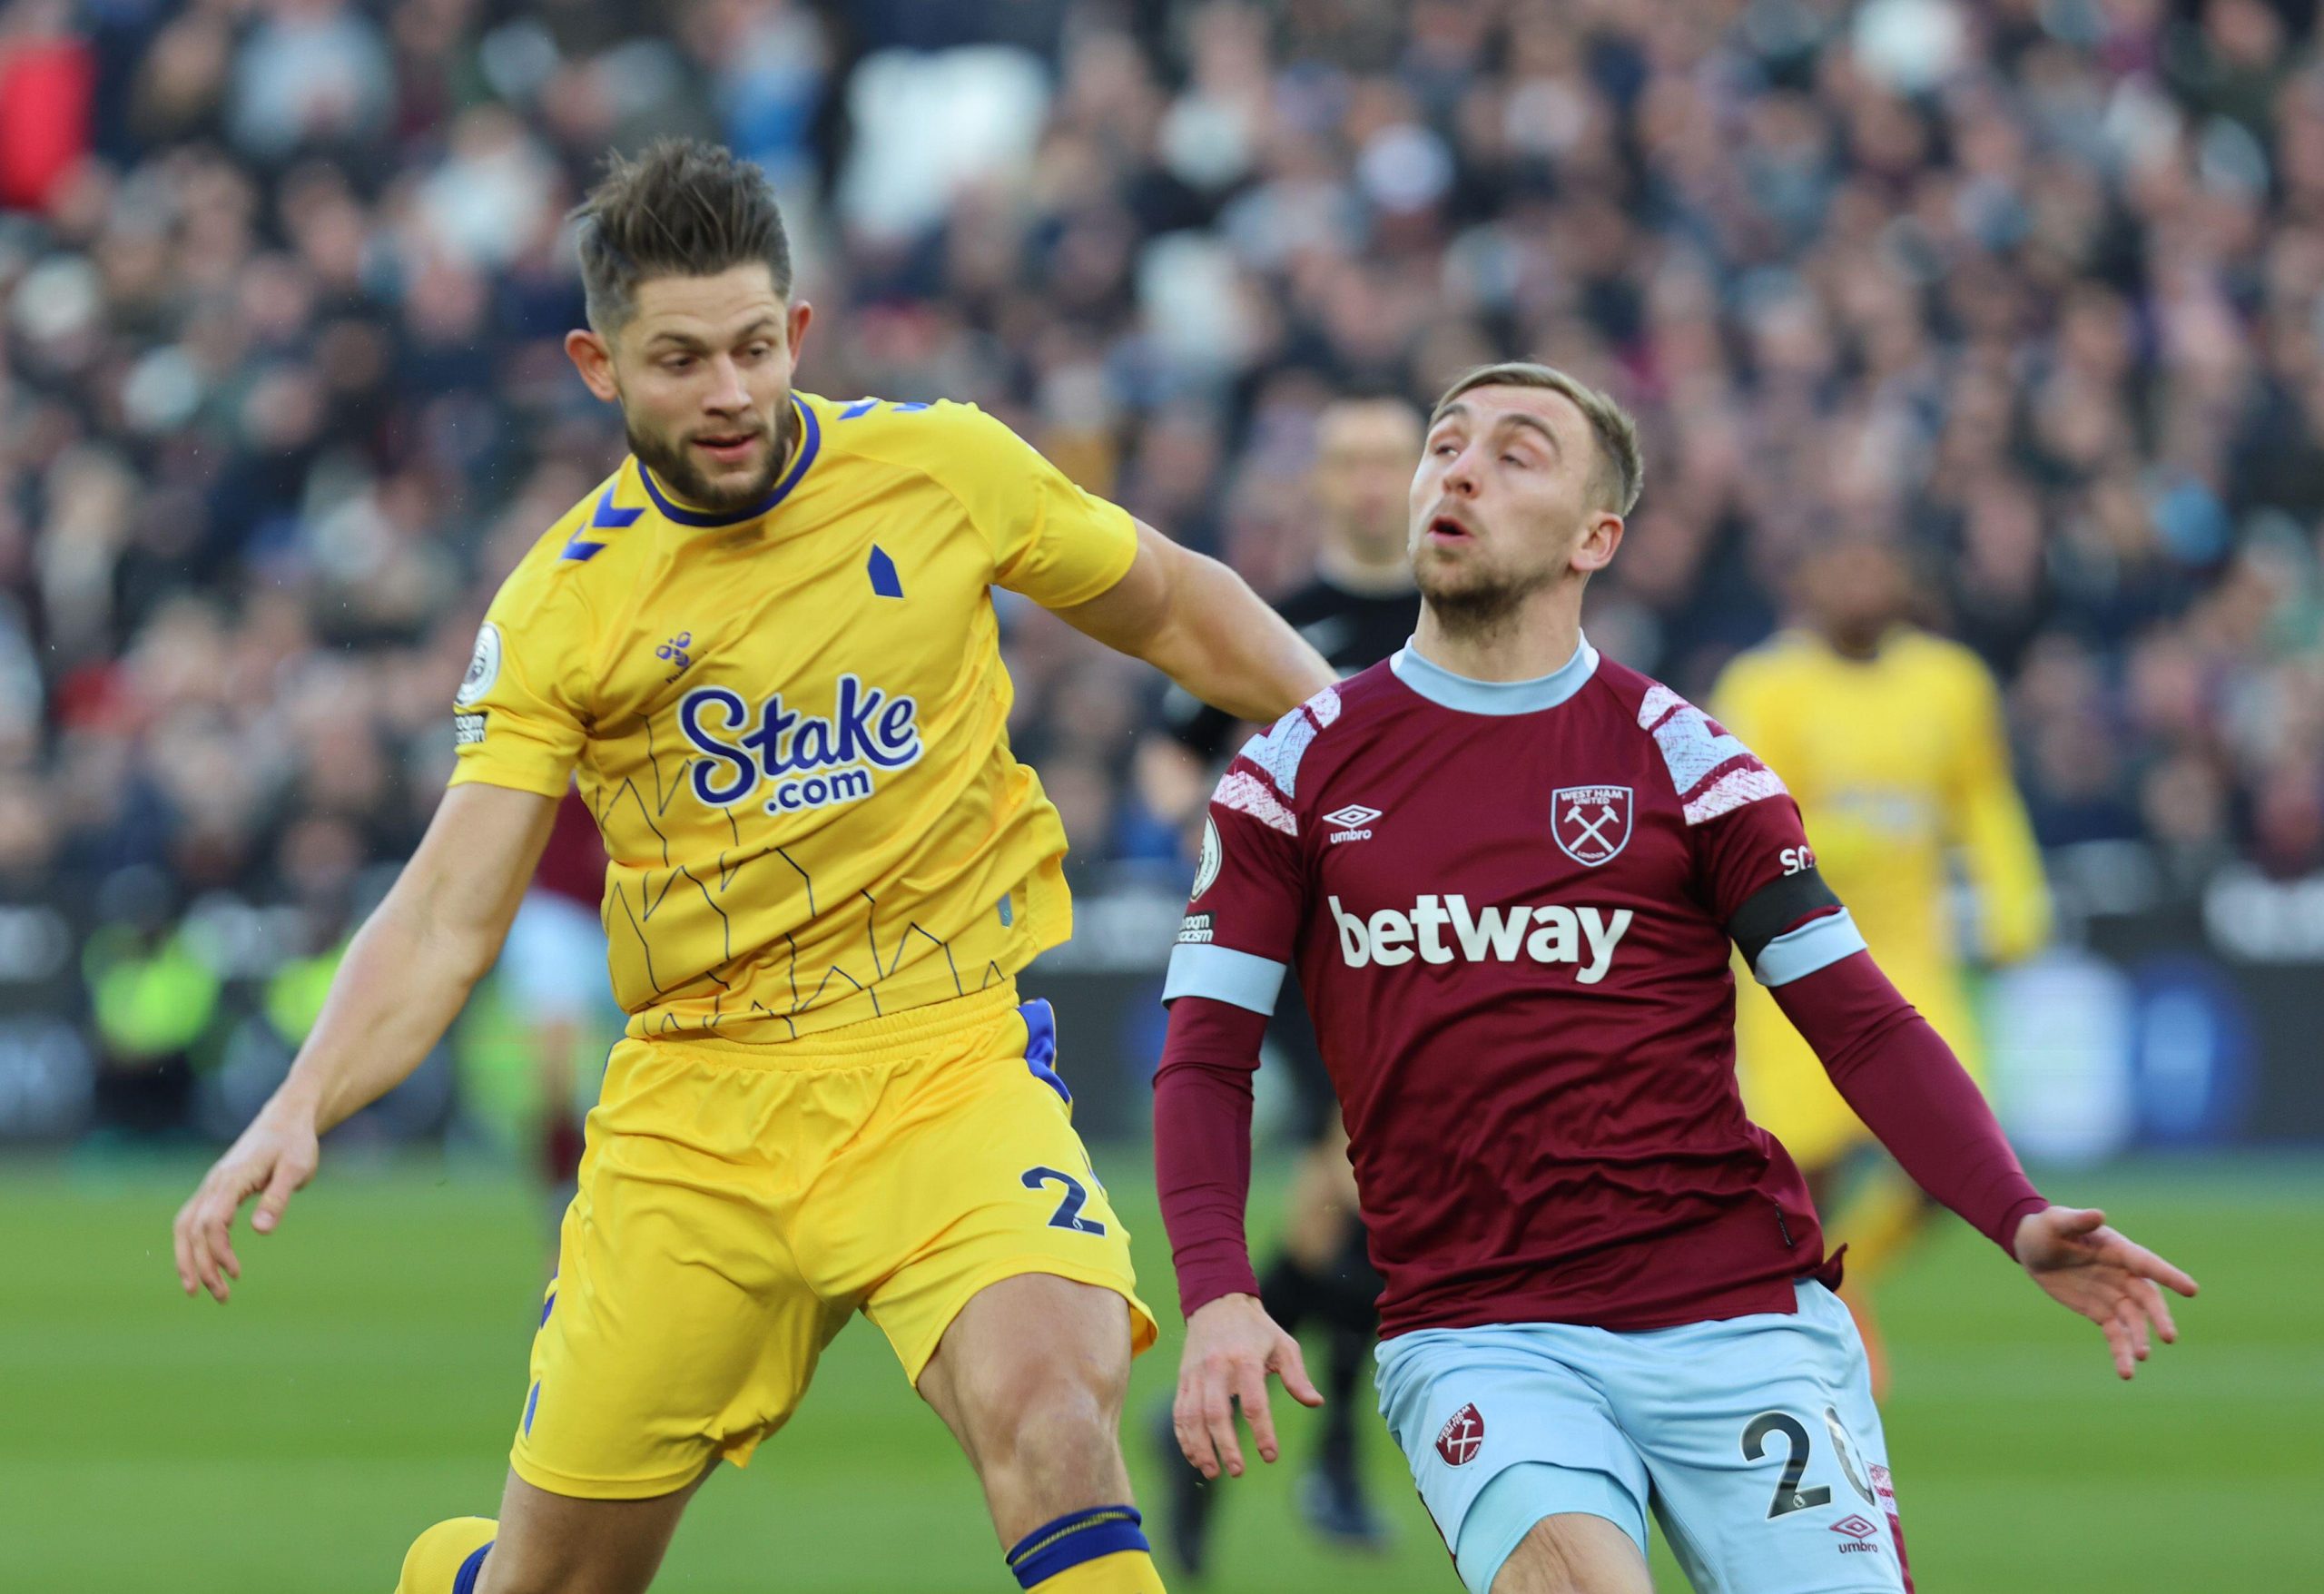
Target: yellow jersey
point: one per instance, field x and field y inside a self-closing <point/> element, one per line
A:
<point x="1901" y="766"/>
<point x="792" y="723"/>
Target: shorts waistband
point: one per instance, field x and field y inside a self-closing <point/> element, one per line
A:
<point x="826" y="1047"/>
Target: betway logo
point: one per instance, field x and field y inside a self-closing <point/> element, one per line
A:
<point x="1583" y="936"/>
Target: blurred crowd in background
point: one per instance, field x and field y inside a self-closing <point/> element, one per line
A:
<point x="2036" y="287"/>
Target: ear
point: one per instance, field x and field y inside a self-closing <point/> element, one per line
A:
<point x="594" y="358"/>
<point x="1601" y="534"/>
<point x="800" y="314"/>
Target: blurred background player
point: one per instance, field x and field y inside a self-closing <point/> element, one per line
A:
<point x="553" y="971"/>
<point x="1893" y="740"/>
<point x="1359" y="608"/>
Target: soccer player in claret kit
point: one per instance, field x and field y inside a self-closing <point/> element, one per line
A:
<point x="1509" y="871"/>
<point x="767" y="645"/>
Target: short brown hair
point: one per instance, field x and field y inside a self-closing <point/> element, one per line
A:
<point x="681" y="209"/>
<point x="1621" y="472"/>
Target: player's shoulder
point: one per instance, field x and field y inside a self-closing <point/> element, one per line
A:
<point x="1938" y="660"/>
<point x="1708" y="769"/>
<point x="1782" y="655"/>
<point x="588" y="555"/>
<point x="936" y="436"/>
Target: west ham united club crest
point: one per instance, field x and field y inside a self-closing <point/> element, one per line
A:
<point x="1462" y="1435"/>
<point x="1591" y="824"/>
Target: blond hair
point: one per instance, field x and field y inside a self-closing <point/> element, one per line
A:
<point x="1621" y="468"/>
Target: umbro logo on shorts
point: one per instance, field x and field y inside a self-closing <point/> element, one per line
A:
<point x="1462" y="1437"/>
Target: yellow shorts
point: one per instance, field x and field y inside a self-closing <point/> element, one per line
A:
<point x="738" y="1203"/>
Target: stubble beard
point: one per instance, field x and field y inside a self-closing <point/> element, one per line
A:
<point x="674" y="467"/>
<point x="1483" y="608"/>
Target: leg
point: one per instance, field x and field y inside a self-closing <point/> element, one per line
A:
<point x="1030" y="1378"/>
<point x="1771" y="1470"/>
<point x="1516" y="1452"/>
<point x="1573" y="1553"/>
<point x="677" y="1331"/>
<point x="967" y="1216"/>
<point x="552" y="1543"/>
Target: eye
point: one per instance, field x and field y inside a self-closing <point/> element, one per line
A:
<point x="676" y="364"/>
<point x="1443" y="448"/>
<point x="1519" y="460"/>
<point x="758" y="350"/>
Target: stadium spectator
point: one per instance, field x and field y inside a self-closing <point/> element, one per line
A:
<point x="2039" y="286"/>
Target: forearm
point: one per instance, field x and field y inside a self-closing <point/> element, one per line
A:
<point x="1902" y="1079"/>
<point x="398" y="990"/>
<point x="1222" y="644"/>
<point x="1202" y="1147"/>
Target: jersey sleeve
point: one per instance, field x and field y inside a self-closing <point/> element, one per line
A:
<point x="1754" y="868"/>
<point x="517" y="718"/>
<point x="1050" y="540"/>
<point x="1249" y="899"/>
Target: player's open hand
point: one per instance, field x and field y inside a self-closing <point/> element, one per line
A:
<point x="274" y="1156"/>
<point x="2071" y="1253"/>
<point x="1232" y="1345"/>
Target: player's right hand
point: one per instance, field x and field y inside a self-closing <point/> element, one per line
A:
<point x="1232" y="1345"/>
<point x="276" y="1154"/>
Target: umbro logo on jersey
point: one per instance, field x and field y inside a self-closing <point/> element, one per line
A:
<point x="1352" y="822"/>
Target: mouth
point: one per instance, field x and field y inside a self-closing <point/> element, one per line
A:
<point x="728" y="447"/>
<point x="1444" y="531"/>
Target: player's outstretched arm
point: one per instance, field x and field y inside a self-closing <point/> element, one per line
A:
<point x="2090" y="1268"/>
<point x="404" y="977"/>
<point x="1232" y="1347"/>
<point x="1194" y="619"/>
<point x="1893" y="1068"/>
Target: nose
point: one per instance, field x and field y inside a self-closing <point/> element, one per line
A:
<point x="726" y="394"/>
<point x="1462" y="476"/>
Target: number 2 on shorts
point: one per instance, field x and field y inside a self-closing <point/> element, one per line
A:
<point x="1068" y="1211"/>
<point x="1789" y="1496"/>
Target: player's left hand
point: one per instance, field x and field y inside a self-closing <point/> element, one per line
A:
<point x="2083" y="1264"/>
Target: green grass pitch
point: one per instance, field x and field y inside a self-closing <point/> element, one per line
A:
<point x="365" y="1380"/>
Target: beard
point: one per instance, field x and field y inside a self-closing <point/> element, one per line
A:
<point x="673" y="462"/>
<point x="1474" y="605"/>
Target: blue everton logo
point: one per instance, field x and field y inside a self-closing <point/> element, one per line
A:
<point x="808" y="760"/>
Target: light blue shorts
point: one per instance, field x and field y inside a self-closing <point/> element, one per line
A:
<point x="1754" y="1440"/>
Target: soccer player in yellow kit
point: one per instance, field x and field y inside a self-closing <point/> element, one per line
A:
<point x="1892" y="741"/>
<point x="767" y="644"/>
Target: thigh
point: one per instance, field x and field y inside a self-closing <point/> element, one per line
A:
<point x="1771" y="1470"/>
<point x="678" y="1329"/>
<point x="1031" y="1346"/>
<point x="1569" y="1553"/>
<point x="975" y="1175"/>
<point x="1470" y="1406"/>
<point x="550" y="1542"/>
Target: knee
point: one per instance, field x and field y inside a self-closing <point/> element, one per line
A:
<point x="1033" y="1417"/>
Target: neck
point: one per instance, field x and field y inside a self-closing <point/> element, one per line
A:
<point x="1860" y="646"/>
<point x="1534" y="639"/>
<point x="1343" y="568"/>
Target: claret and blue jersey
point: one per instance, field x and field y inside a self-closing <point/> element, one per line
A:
<point x="1510" y="906"/>
<point x="792" y="722"/>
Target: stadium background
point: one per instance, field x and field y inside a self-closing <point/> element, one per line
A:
<point x="2036" y="286"/>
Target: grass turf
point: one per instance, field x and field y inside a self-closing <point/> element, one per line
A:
<point x="366" y="1378"/>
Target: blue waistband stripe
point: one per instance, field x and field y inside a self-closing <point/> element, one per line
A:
<point x="463" y="1580"/>
<point x="1040" y="1046"/>
<point x="1078" y="1536"/>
